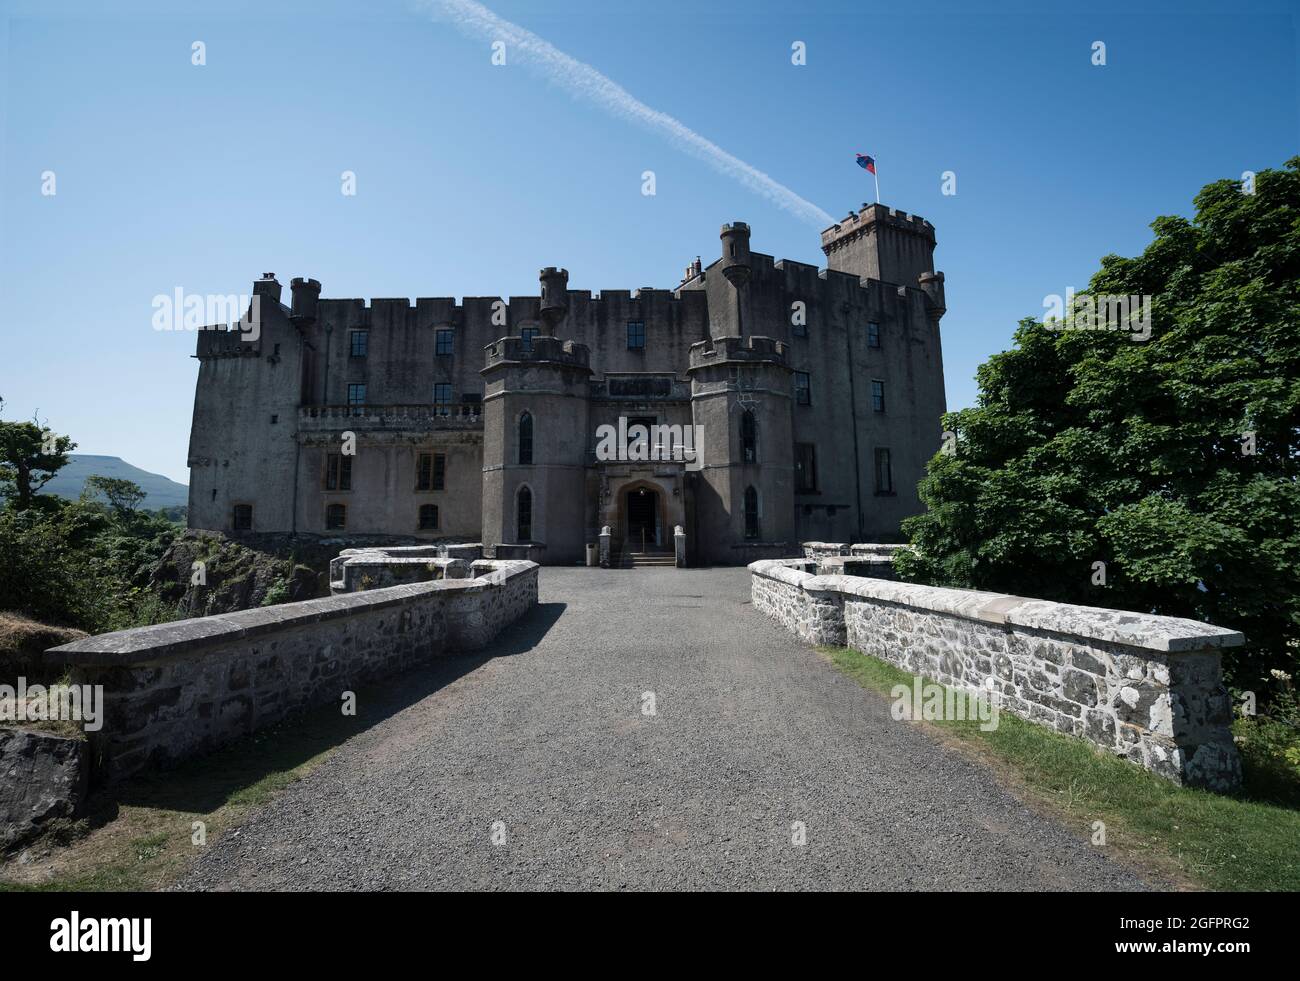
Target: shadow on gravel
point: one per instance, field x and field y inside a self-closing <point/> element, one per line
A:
<point x="250" y="770"/>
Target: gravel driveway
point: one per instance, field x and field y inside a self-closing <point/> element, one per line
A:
<point x="540" y="769"/>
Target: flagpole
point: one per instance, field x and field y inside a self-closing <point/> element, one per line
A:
<point x="877" y="177"/>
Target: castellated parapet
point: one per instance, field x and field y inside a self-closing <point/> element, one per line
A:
<point x="818" y="392"/>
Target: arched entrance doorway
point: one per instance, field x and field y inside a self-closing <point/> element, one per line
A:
<point x="642" y="518"/>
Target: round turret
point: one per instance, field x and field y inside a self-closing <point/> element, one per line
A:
<point x="735" y="253"/>
<point x="555" y="296"/>
<point x="305" y="293"/>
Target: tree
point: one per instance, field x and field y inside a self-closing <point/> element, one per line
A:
<point x="123" y="496"/>
<point x="30" y="455"/>
<point x="1170" y="461"/>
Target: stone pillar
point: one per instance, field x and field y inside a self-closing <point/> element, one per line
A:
<point x="679" y="546"/>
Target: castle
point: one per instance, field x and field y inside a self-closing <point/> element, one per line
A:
<point x="817" y="398"/>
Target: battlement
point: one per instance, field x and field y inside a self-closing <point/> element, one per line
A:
<point x="750" y="350"/>
<point x="542" y="350"/>
<point x="854" y="225"/>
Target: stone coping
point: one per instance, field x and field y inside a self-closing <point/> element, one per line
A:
<point x="1169" y="635"/>
<point x="166" y="641"/>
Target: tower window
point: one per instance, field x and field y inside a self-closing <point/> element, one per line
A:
<point x="524" y="516"/>
<point x="338" y="472"/>
<point x="446" y="341"/>
<point x="884" y="472"/>
<point x="802" y="388"/>
<point x="526" y="439"/>
<point x="636" y="335"/>
<point x="751" y="513"/>
<point x="873" y="335"/>
<point x="242" y="518"/>
<point x="877" y="396"/>
<point x="442" y="398"/>
<point x="748" y="437"/>
<point x="336" y="517"/>
<point x="805" y="468"/>
<point x="356" y="398"/>
<point x="428" y="517"/>
<point x="528" y="333"/>
<point x="359" y="343"/>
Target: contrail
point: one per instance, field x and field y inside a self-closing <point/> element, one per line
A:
<point x="525" y="47"/>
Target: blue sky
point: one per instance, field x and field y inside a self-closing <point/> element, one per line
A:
<point x="471" y="176"/>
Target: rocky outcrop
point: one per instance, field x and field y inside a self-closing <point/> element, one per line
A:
<point x="205" y="573"/>
<point x="43" y="778"/>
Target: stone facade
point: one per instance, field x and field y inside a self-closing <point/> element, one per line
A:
<point x="178" y="689"/>
<point x="1147" y="688"/>
<point x="818" y="394"/>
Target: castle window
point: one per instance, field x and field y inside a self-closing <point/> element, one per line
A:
<point x="636" y="335"/>
<point x="274" y="419"/>
<point x="356" y="398"/>
<point x="526" y="438"/>
<point x="884" y="472"/>
<point x="802" y="388"/>
<point x="873" y="335"/>
<point x="336" y="517"/>
<point x="748" y="438"/>
<point x="424" y="472"/>
<point x="442" y="398"/>
<point x="877" y="396"/>
<point x="805" y="468"/>
<point x="359" y="343"/>
<point x="428" y="517"/>
<point x="338" y="472"/>
<point x="751" y="513"/>
<point x="242" y="518"/>
<point x="439" y="471"/>
<point x="524" y="516"/>
<point x="528" y="333"/>
<point x="445" y="343"/>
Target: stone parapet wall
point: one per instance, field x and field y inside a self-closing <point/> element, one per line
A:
<point x="178" y="689"/>
<point x="1145" y="687"/>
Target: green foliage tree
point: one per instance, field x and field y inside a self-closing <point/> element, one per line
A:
<point x="30" y="455"/>
<point x="123" y="496"/>
<point x="1173" y="461"/>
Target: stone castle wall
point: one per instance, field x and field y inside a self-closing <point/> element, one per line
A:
<point x="1144" y="687"/>
<point x="178" y="689"/>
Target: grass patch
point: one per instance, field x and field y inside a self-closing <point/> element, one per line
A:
<point x="1250" y="841"/>
<point x="142" y="834"/>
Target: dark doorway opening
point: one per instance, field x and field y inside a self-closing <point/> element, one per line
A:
<point x="642" y="519"/>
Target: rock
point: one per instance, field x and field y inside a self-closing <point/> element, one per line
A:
<point x="43" y="777"/>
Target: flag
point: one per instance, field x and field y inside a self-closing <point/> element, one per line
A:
<point x="867" y="163"/>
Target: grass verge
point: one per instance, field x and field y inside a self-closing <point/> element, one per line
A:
<point x="142" y="835"/>
<point x="1247" y="842"/>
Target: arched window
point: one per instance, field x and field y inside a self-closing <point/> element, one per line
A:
<point x="524" y="516"/>
<point x="526" y="438"/>
<point x="751" y="513"/>
<point x="748" y="438"/>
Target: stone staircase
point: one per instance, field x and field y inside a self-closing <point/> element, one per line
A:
<point x="622" y="558"/>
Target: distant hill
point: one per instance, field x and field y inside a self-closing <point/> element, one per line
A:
<point x="160" y="492"/>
